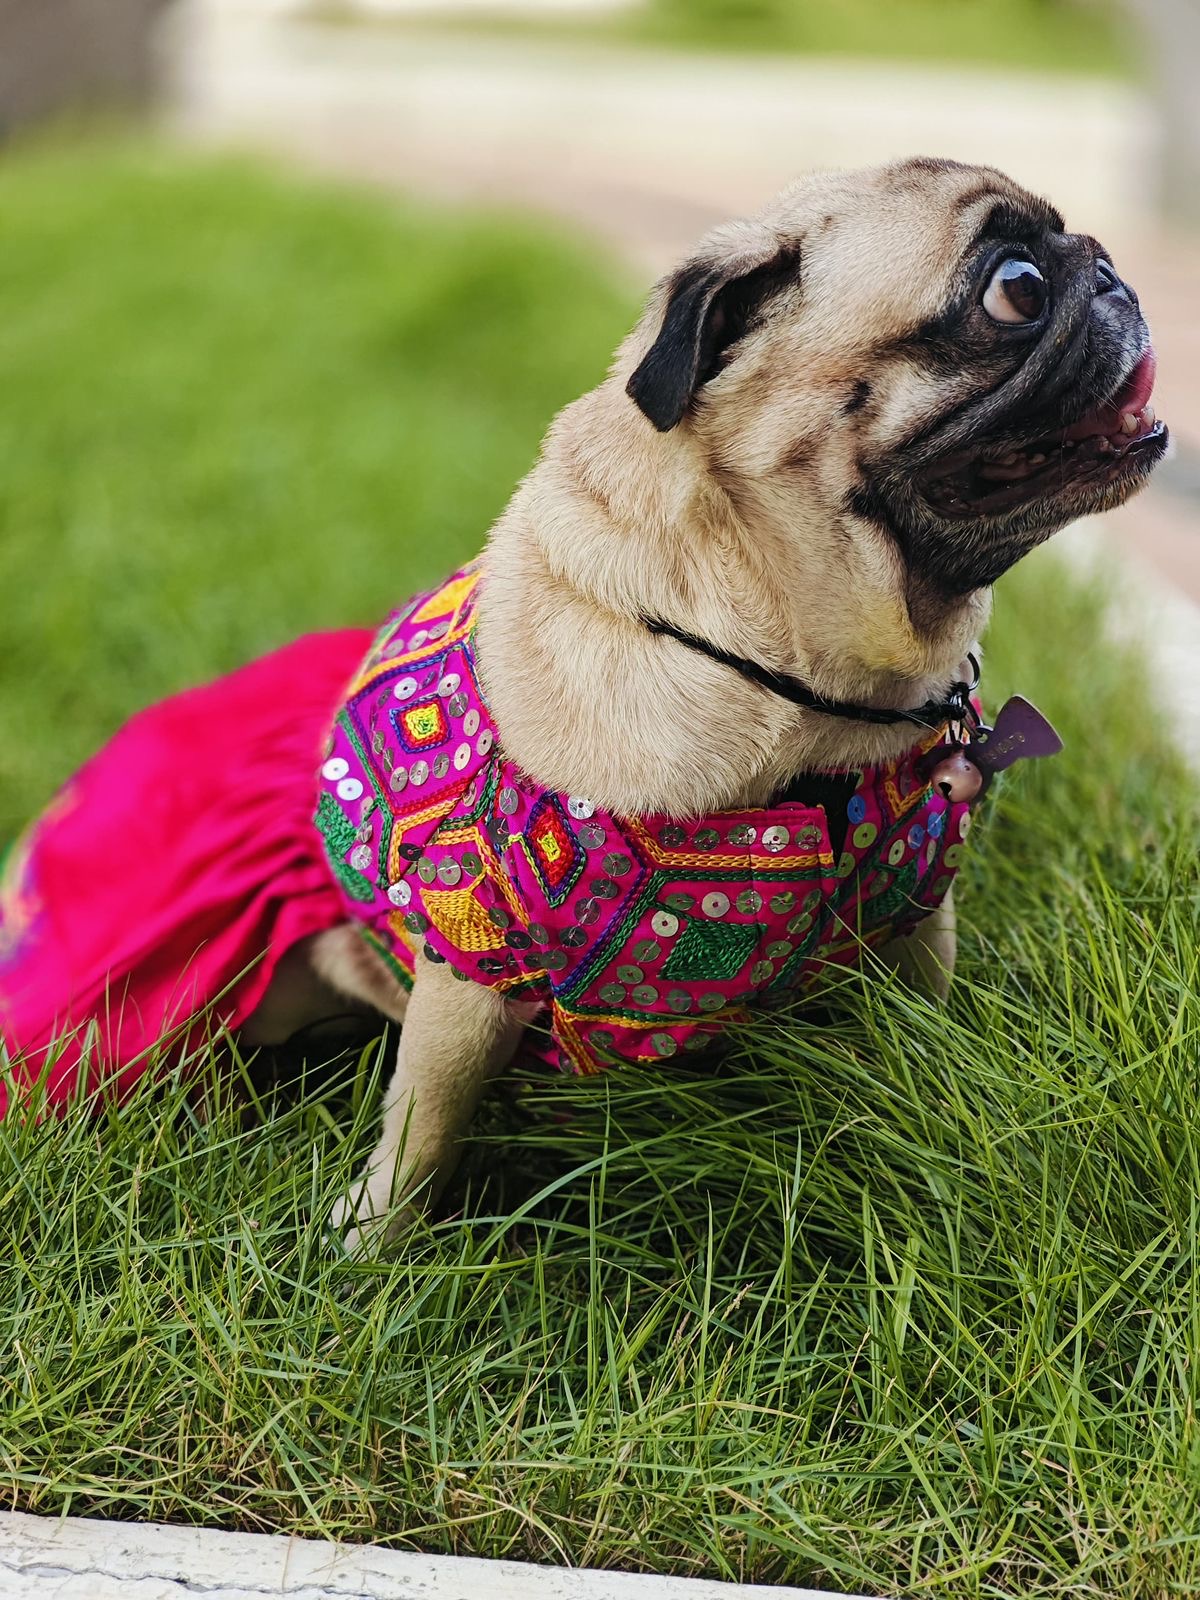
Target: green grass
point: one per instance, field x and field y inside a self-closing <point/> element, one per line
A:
<point x="232" y="409"/>
<point x="1072" y="36"/>
<point x="900" y="1300"/>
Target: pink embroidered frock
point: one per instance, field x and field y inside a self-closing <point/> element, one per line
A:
<point x="169" y="877"/>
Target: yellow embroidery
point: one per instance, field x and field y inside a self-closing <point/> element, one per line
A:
<point x="461" y="920"/>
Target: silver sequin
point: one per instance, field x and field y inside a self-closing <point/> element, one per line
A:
<point x="646" y="950"/>
<point x="628" y="974"/>
<point x="711" y="1002"/>
<point x="645" y="995"/>
<point x="782" y="902"/>
<point x="418" y="773"/>
<point x="748" y="902"/>
<point x="335" y="768"/>
<point x="706" y="839"/>
<point x="400" y="893"/>
<point x="471" y="723"/>
<point x="612" y="993"/>
<point x="441" y="765"/>
<point x="616" y="864"/>
<point x="579" y="807"/>
<point x="448" y="684"/>
<point x="665" y="925"/>
<point x="449" y="872"/>
<point x="742" y="833"/>
<point x="360" y="857"/>
<point x="398" y="778"/>
<point x="499" y="917"/>
<point x="426" y="869"/>
<point x="679" y="1000"/>
<point x="405" y="688"/>
<point x="663" y="1044"/>
<point x="591" y="836"/>
<point x="485" y="742"/>
<point x="715" y="904"/>
<point x="775" y="839"/>
<point x="508" y="800"/>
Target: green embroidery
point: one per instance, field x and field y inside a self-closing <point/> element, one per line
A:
<point x="712" y="951"/>
<point x="386" y="954"/>
<point x="339" y="835"/>
<point x="898" y="896"/>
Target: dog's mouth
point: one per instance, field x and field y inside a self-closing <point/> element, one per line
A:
<point x="1110" y="448"/>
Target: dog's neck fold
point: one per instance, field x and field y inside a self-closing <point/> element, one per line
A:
<point x="616" y="522"/>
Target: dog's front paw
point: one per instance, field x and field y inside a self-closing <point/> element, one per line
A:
<point x="367" y="1219"/>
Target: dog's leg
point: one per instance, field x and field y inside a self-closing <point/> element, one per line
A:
<point x="924" y="958"/>
<point x="456" y="1036"/>
<point x="324" y="976"/>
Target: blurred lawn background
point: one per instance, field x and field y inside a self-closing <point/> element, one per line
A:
<point x="901" y="1301"/>
<point x="1075" y="36"/>
<point x="235" y="409"/>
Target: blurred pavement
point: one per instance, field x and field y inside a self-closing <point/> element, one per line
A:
<point x="646" y="149"/>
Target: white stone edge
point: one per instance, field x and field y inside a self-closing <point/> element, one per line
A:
<point x="80" y="1558"/>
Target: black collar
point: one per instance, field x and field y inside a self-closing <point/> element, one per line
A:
<point x="955" y="709"/>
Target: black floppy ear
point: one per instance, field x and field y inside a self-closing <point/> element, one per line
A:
<point x="710" y="305"/>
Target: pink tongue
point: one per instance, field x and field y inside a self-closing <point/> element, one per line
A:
<point x="1139" y="386"/>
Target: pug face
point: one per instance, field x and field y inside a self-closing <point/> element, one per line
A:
<point x="919" y="354"/>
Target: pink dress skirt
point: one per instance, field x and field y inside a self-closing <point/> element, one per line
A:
<point x="171" y="873"/>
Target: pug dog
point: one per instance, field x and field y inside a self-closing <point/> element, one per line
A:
<point x="675" y="727"/>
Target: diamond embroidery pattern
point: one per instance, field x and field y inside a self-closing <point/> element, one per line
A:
<point x="634" y="933"/>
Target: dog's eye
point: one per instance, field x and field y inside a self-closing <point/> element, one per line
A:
<point x="1016" y="292"/>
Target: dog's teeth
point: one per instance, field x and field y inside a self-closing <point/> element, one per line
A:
<point x="1011" y="459"/>
<point x="1129" y="423"/>
<point x="1036" y="461"/>
<point x="1149" y="416"/>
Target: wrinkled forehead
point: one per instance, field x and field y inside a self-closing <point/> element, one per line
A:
<point x="890" y="244"/>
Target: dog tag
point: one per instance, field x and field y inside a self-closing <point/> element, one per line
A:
<point x="1020" y="731"/>
<point x="965" y="771"/>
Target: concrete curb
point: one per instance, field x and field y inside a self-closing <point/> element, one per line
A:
<point x="80" y="1558"/>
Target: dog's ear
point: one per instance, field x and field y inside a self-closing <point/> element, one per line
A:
<point x="710" y="305"/>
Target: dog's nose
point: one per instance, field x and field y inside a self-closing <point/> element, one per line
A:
<point x="1107" y="282"/>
